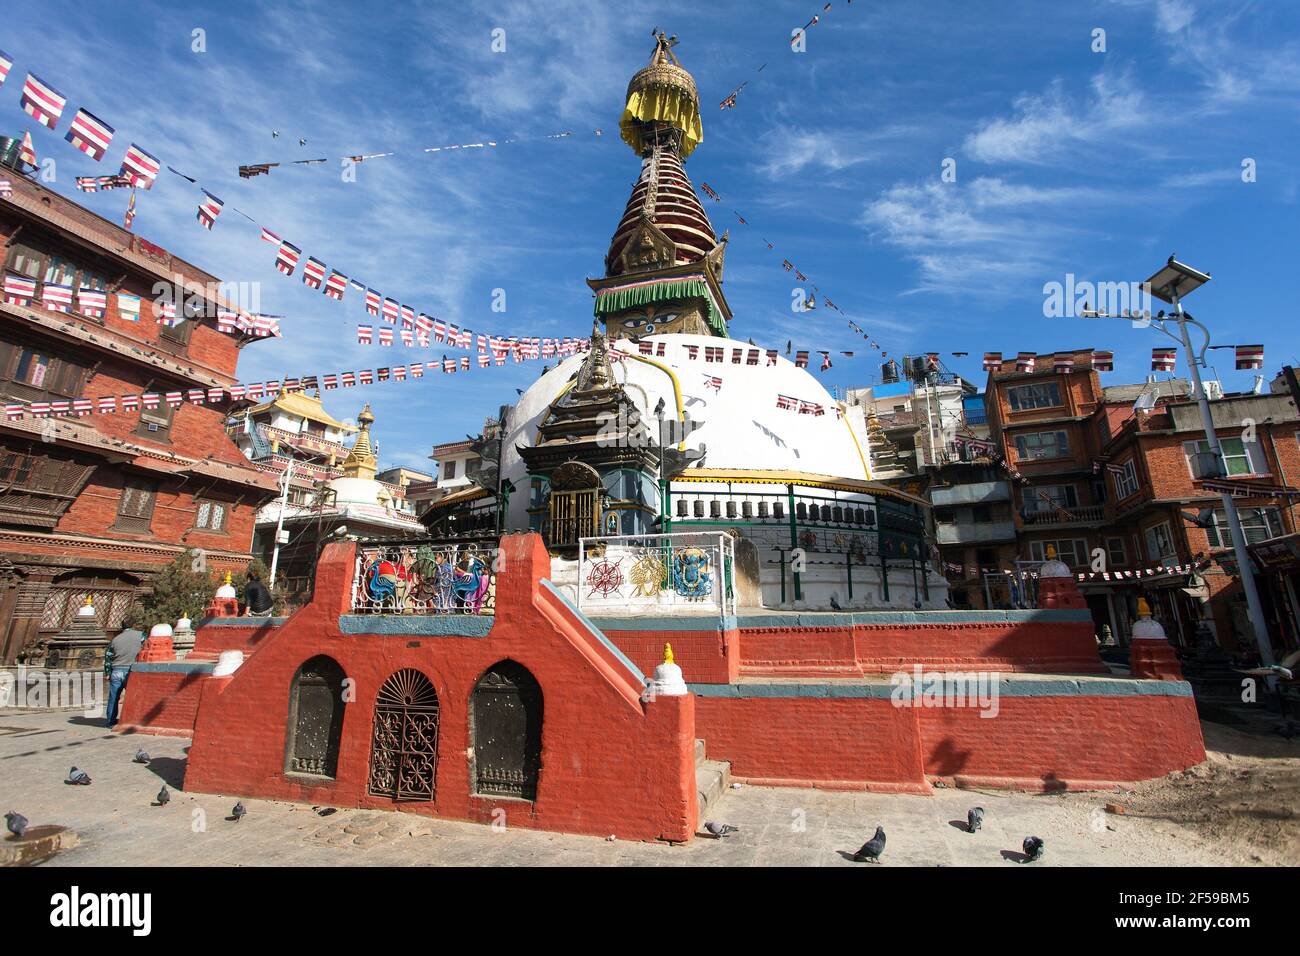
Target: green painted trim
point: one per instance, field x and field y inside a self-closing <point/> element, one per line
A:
<point x="617" y="300"/>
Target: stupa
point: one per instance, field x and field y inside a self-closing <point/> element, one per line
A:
<point x="667" y="424"/>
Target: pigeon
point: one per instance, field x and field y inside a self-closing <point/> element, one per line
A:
<point x="164" y="796"/>
<point x="835" y="605"/>
<point x="78" y="777"/>
<point x="871" y="850"/>
<point x="238" y="811"/>
<point x="974" y="818"/>
<point x="17" y="824"/>
<point x="719" y="830"/>
<point x="141" y="757"/>
<point x="1033" y="847"/>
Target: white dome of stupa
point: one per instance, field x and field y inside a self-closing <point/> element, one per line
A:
<point x="735" y="407"/>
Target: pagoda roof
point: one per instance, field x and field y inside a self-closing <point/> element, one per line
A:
<point x="304" y="406"/>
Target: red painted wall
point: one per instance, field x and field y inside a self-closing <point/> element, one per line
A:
<point x="610" y="764"/>
<point x="705" y="657"/>
<point x="160" y="702"/>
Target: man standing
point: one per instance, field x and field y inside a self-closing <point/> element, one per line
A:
<point x="117" y="665"/>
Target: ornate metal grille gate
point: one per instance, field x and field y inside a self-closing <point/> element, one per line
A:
<point x="404" y="750"/>
<point x="507" y="722"/>
<point x="573" y="515"/>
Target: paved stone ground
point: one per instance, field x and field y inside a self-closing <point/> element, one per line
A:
<point x="118" y="826"/>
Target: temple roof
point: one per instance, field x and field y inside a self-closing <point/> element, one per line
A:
<point x="304" y="406"/>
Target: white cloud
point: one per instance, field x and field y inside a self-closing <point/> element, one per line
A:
<point x="980" y="236"/>
<point x="1048" y="127"/>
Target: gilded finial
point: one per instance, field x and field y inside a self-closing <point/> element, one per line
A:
<point x="1051" y="552"/>
<point x="1144" y="609"/>
<point x="668" y="653"/>
<point x="88" y="602"/>
<point x="228" y="581"/>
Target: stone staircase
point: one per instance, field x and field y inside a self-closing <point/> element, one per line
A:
<point x="712" y="780"/>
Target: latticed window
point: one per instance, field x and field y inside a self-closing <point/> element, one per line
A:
<point x="35" y="490"/>
<point x="135" y="510"/>
<point x="211" y="516"/>
<point x="62" y="604"/>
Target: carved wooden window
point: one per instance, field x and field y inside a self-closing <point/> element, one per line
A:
<point x="156" y="423"/>
<point x="36" y="489"/>
<point x="47" y="262"/>
<point x="211" y="516"/>
<point x="135" y="509"/>
<point x="34" y="372"/>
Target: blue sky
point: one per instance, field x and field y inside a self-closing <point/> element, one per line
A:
<point x="1067" y="160"/>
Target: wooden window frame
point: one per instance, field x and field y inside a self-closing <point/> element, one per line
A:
<point x="210" y="503"/>
<point x="65" y="377"/>
<point x="136" y="520"/>
<point x="45" y="253"/>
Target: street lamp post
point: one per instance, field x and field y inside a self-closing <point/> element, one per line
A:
<point x="1170" y="284"/>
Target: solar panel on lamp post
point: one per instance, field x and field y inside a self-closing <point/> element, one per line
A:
<point x="1172" y="283"/>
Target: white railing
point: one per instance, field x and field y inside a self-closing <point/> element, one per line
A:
<point x="648" y="571"/>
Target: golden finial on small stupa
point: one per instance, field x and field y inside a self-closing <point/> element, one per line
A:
<point x="1051" y="552"/>
<point x="88" y="602"/>
<point x="668" y="653"/>
<point x="1144" y="609"/>
<point x="228" y="581"/>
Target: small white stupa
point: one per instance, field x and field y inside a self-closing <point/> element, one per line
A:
<point x="668" y="680"/>
<point x="1147" y="628"/>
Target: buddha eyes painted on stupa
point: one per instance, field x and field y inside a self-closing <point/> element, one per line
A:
<point x="647" y="324"/>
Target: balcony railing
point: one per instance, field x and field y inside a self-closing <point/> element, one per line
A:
<point x="1085" y="514"/>
<point x="431" y="577"/>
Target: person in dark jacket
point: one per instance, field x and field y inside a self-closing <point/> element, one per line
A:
<point x="257" y="599"/>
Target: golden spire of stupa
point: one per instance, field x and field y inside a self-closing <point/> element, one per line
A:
<point x="662" y="95"/>
<point x="362" y="461"/>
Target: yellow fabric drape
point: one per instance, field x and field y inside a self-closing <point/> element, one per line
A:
<point x="665" y="106"/>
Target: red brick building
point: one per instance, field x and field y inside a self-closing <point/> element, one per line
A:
<point x="96" y="504"/>
<point x="1117" y="491"/>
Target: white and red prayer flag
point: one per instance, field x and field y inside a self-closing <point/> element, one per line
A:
<point x="129" y="217"/>
<point x="313" y="273"/>
<point x="42" y="102"/>
<point x="992" y="361"/>
<point x="6" y="64"/>
<point x="801" y="358"/>
<point x="237" y="392"/>
<point x="417" y="370"/>
<point x="174" y="399"/>
<point x="107" y="404"/>
<point x="348" y="379"/>
<point x="19" y="290"/>
<point x="131" y="403"/>
<point x="57" y="298"/>
<point x="1026" y="361"/>
<point x="336" y="285"/>
<point x="269" y="236"/>
<point x="408" y="337"/>
<point x="92" y="302"/>
<point x="1250" y="356"/>
<point x="385" y="336"/>
<point x="365" y="334"/>
<point x="399" y="373"/>
<point x="372" y="302"/>
<point x="1062" y="361"/>
<point x="331" y="381"/>
<point x="1103" y="360"/>
<point x="40" y="409"/>
<point x="1163" y="360"/>
<point x="366" y="376"/>
<point x="439" y="330"/>
<point x="408" y="317"/>
<point x="14" y="411"/>
<point x="390" y="310"/>
<point x="215" y="395"/>
<point x="27" y="152"/>
<point x="90" y="134"/>
<point x="82" y="407"/>
<point x="209" y="210"/>
<point x="226" y="321"/>
<point x="286" y="260"/>
<point x="196" y="396"/>
<point x="140" y="166"/>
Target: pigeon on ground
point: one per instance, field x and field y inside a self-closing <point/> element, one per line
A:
<point x="1033" y="847"/>
<point x="78" y="777"/>
<point x="719" y="830"/>
<point x="238" y="811"/>
<point x="871" y="850"/>
<point x="17" y="823"/>
<point x="141" y="757"/>
<point x="164" y="795"/>
<point x="835" y="605"/>
<point x="974" y="818"/>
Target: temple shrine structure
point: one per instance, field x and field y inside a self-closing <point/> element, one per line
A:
<point x="672" y="569"/>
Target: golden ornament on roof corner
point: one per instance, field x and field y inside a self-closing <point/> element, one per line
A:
<point x="662" y="93"/>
